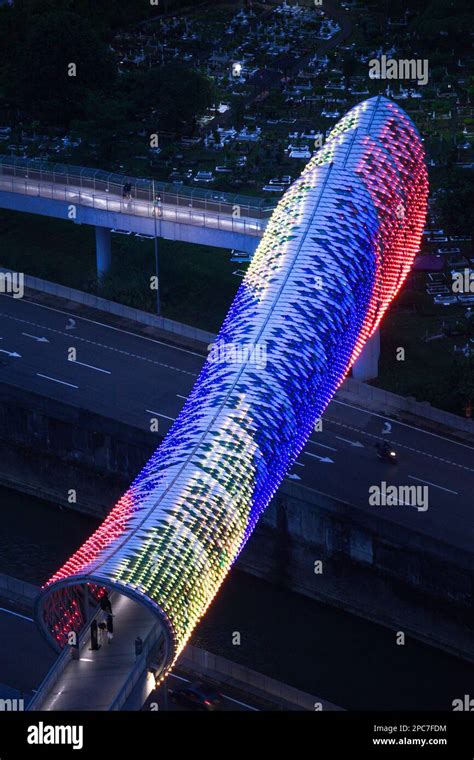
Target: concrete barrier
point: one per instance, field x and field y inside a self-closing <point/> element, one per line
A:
<point x="378" y="399"/>
<point x="226" y="672"/>
<point x="117" y="309"/>
<point x="18" y="592"/>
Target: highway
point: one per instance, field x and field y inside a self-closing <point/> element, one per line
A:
<point x="132" y="378"/>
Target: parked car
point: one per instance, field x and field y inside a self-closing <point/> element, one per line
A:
<point x="205" y="177"/>
<point x="198" y="695"/>
<point x="448" y="250"/>
<point x="445" y="300"/>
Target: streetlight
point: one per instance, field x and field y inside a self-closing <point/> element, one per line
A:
<point x="155" y="242"/>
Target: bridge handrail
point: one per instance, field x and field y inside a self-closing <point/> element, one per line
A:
<point x="139" y="665"/>
<point x="138" y="207"/>
<point x="58" y="668"/>
<point x="142" y="189"/>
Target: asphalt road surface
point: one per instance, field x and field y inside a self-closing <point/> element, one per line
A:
<point x="132" y="378"/>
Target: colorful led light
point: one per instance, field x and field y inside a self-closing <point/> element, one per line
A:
<point x="335" y="253"/>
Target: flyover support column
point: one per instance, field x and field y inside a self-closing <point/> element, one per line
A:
<point x="366" y="367"/>
<point x="103" y="250"/>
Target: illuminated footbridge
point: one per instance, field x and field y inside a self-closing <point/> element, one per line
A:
<point x="333" y="256"/>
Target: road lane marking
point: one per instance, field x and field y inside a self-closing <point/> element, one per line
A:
<point x="35" y="337"/>
<point x="16" y="614"/>
<point x="183" y="397"/>
<point x="404" y="424"/>
<point x="323" y="445"/>
<point x="161" y="415"/>
<point x="108" y="348"/>
<point x="112" y="327"/>
<point x="400" y="445"/>
<point x="55" y="380"/>
<point x="225" y="696"/>
<point x="90" y="366"/>
<point x="328" y="460"/>
<point x="10" y="353"/>
<point x="357" y="444"/>
<point x="435" y="485"/>
<point x="242" y="704"/>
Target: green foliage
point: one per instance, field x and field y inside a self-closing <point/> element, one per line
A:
<point x="182" y="94"/>
<point x="39" y="70"/>
<point x="455" y="205"/>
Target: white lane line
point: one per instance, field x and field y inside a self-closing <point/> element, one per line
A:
<point x="55" y="380"/>
<point x="400" y="445"/>
<point x="104" y="345"/>
<point x="180" y="396"/>
<point x="231" y="699"/>
<point x="298" y="464"/>
<point x="16" y="614"/>
<point x="242" y="704"/>
<point x="90" y="366"/>
<point x="35" y="337"/>
<point x="112" y="327"/>
<point x="10" y="353"/>
<point x="323" y="445"/>
<point x="357" y="444"/>
<point x="328" y="460"/>
<point x="150" y="411"/>
<point x="435" y="485"/>
<point x="403" y="424"/>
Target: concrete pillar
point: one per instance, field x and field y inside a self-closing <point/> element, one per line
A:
<point x="103" y="250"/>
<point x="366" y="366"/>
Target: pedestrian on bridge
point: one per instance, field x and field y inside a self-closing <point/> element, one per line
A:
<point x="105" y="604"/>
<point x="110" y="627"/>
<point x="157" y="205"/>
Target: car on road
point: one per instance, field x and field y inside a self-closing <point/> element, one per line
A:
<point x="445" y="300"/>
<point x="198" y="695"/>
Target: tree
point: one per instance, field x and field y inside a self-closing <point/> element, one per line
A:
<point x="106" y="121"/>
<point x="57" y="63"/>
<point x="182" y="94"/>
<point x="455" y="205"/>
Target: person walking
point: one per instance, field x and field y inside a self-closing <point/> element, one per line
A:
<point x="105" y="604"/>
<point x="110" y="628"/>
<point x="102" y="633"/>
<point x="157" y="205"/>
<point x="102" y="626"/>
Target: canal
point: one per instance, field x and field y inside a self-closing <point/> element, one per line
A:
<point x="322" y="650"/>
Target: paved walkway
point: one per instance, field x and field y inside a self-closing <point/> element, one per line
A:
<point x="93" y="681"/>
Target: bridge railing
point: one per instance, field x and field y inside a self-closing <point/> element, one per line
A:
<point x="53" y="675"/>
<point x="109" y="202"/>
<point x="141" y="189"/>
<point x="152" y="641"/>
